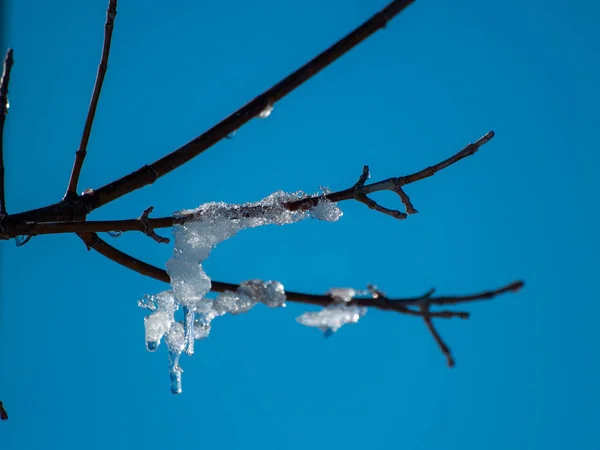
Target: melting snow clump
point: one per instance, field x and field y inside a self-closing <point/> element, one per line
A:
<point x="334" y="316"/>
<point x="204" y="228"/>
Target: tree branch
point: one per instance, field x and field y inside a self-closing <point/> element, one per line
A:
<point x="150" y="173"/>
<point x="73" y="207"/>
<point x="401" y="305"/>
<point x="358" y="192"/>
<point x="111" y="13"/>
<point x="8" y="63"/>
<point x="376" y="300"/>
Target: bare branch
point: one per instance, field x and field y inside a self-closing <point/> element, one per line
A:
<point x="358" y="192"/>
<point x="8" y="63"/>
<point x="150" y="173"/>
<point x="395" y="184"/>
<point x="111" y="13"/>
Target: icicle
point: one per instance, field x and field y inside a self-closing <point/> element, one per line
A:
<point x="189" y="330"/>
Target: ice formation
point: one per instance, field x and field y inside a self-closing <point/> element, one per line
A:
<point x="211" y="224"/>
<point x="334" y="316"/>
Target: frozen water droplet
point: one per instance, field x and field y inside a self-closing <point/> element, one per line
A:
<point x="21" y="240"/>
<point x="266" y="112"/>
<point x="88" y="191"/>
<point x="231" y="135"/>
<point x="151" y="346"/>
<point x="114" y="234"/>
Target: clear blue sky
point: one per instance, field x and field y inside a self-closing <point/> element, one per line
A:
<point x="74" y="372"/>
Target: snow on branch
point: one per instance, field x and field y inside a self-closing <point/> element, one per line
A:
<point x="204" y="229"/>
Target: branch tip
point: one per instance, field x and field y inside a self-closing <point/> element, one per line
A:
<point x="81" y="152"/>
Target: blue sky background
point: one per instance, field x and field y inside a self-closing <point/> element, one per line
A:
<point x="74" y="372"/>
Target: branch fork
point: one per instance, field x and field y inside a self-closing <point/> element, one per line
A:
<point x="360" y="194"/>
<point x="147" y="228"/>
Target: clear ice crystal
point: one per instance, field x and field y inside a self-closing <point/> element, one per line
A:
<point x="205" y="227"/>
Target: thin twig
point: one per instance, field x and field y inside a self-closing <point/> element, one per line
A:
<point x="150" y="173"/>
<point x="440" y="342"/>
<point x="8" y="63"/>
<point x="357" y="192"/>
<point x="3" y="413"/>
<point x="111" y="13"/>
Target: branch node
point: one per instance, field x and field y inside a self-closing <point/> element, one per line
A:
<point x="152" y="173"/>
<point x="361" y="196"/>
<point x="148" y="230"/>
<point x="404" y="198"/>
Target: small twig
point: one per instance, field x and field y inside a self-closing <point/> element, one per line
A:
<point x="148" y="230"/>
<point x="8" y="63"/>
<point x="3" y="413"/>
<point x="111" y="13"/>
<point x="443" y="347"/>
<point x="424" y="304"/>
<point x="396" y="184"/>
